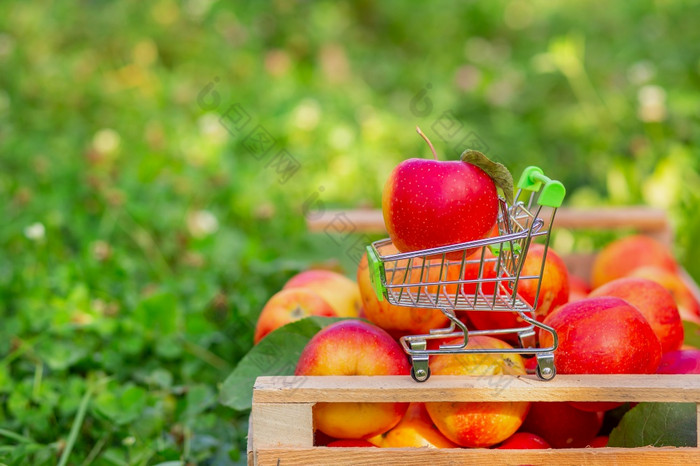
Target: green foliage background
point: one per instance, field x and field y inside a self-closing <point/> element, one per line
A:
<point x="140" y="238"/>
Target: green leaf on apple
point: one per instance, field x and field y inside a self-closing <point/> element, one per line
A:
<point x="276" y="354"/>
<point x="497" y="171"/>
<point x="658" y="425"/>
<point x="692" y="334"/>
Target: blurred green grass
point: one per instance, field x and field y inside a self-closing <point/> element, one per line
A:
<point x="141" y="238"/>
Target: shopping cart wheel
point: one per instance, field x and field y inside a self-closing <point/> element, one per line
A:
<point x="420" y="368"/>
<point x="545" y="367"/>
<point x="546" y="373"/>
<point x="420" y="375"/>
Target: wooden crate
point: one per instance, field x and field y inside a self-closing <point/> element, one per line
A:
<point x="281" y="422"/>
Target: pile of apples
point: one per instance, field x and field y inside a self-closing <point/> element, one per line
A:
<point x="629" y="322"/>
<point x="626" y="320"/>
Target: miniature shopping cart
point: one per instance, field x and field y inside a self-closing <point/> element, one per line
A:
<point x="428" y="278"/>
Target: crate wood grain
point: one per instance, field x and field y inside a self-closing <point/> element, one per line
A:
<point x="281" y="420"/>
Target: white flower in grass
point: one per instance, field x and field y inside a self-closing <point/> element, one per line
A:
<point x="652" y="103"/>
<point x="202" y="223"/>
<point x="106" y="141"/>
<point x="35" y="231"/>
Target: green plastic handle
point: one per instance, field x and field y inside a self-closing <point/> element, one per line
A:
<point x="375" y="272"/>
<point x="533" y="179"/>
<point x="505" y="246"/>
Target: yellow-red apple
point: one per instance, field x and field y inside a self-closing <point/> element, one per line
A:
<point x="622" y="256"/>
<point x="654" y="302"/>
<point x="401" y="320"/>
<point x="339" y="291"/>
<point x="288" y="306"/>
<point x="353" y="347"/>
<point x="478" y="424"/>
<point x="416" y="429"/>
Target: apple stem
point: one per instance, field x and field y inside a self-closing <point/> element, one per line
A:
<point x="428" y="141"/>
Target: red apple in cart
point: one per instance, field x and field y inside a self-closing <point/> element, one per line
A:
<point x="654" y="302"/>
<point x="603" y="335"/>
<point x="431" y="203"/>
<point x="554" y="290"/>
<point x="554" y="285"/>
<point x="479" y="273"/>
<point x="402" y="320"/>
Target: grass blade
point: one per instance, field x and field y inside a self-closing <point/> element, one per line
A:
<point x="75" y="428"/>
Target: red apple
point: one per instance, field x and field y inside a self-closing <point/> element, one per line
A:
<point x="554" y="287"/>
<point x="473" y="270"/>
<point x="353" y="347"/>
<point x="416" y="429"/>
<point x="562" y="425"/>
<point x="478" y="424"/>
<point x="604" y="335"/>
<point x="431" y="203"/>
<point x="524" y="441"/>
<point x="578" y="288"/>
<point x="684" y="361"/>
<point x="288" y="306"/>
<point x="622" y="256"/>
<point x="654" y="302"/>
<point x="554" y="290"/>
<point x="600" y="441"/>
<point x="688" y="305"/>
<point x="339" y="291"/>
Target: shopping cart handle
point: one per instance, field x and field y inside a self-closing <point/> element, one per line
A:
<point x="551" y="194"/>
<point x="375" y="272"/>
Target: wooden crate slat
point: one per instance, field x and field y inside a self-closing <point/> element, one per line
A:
<point x="434" y="457"/>
<point x="677" y="388"/>
<point x="277" y="425"/>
